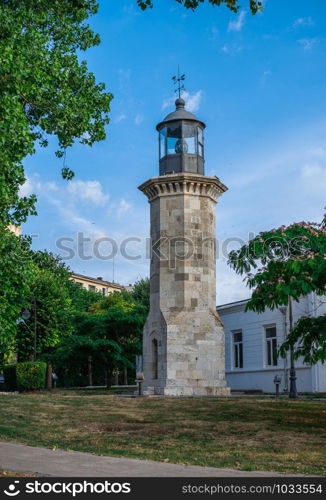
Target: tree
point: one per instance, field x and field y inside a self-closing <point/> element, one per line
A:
<point x="110" y="334"/>
<point x="74" y="352"/>
<point x="287" y="262"/>
<point x="45" y="89"/>
<point x="141" y="292"/>
<point x="16" y="272"/>
<point x="254" y="5"/>
<point x="309" y="336"/>
<point x="52" y="299"/>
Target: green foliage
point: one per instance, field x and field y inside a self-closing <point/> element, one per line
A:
<point x="53" y="299"/>
<point x="30" y="375"/>
<point x="254" y="5"/>
<point x="49" y="305"/>
<point x="111" y="333"/>
<point x="288" y="261"/>
<point x="141" y="292"/>
<point x="15" y="275"/>
<point x="121" y="300"/>
<point x="81" y="299"/>
<point x="282" y="263"/>
<point x="309" y="338"/>
<point x="9" y="372"/>
<point x="45" y="89"/>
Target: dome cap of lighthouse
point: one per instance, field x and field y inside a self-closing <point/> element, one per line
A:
<point x="179" y="114"/>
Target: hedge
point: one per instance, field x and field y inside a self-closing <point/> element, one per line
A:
<point x="9" y="373"/>
<point x="30" y="375"/>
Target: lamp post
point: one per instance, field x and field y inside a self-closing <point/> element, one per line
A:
<point x="26" y="315"/>
<point x="293" y="394"/>
<point x="284" y="310"/>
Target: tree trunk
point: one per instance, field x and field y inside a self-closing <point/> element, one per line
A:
<point x="125" y="375"/>
<point x="90" y="373"/>
<point x="49" y="377"/>
<point x="108" y="378"/>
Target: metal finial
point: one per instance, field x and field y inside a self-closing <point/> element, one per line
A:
<point x="177" y="80"/>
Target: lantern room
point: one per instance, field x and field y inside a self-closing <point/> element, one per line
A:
<point x="181" y="142"/>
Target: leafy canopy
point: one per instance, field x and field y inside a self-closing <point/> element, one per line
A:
<point x="283" y="262"/>
<point x="53" y="299"/>
<point x="309" y="337"/>
<point x="45" y="89"/>
<point x="288" y="262"/>
<point x="233" y="5"/>
<point x="111" y="333"/>
<point x="16" y="273"/>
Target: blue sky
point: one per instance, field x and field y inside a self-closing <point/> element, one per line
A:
<point x="258" y="82"/>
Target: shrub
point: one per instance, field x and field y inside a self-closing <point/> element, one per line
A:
<point x="9" y="373"/>
<point x="31" y="375"/>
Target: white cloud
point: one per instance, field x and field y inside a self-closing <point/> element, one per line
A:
<point x="230" y="287"/>
<point x="231" y="49"/>
<point x="265" y="76"/>
<point x="303" y="21"/>
<point x="319" y="151"/>
<point x="139" y="119"/>
<point x="238" y="24"/>
<point x="125" y="73"/>
<point x="167" y="103"/>
<point x="214" y="32"/>
<point x="90" y="191"/>
<point x="192" y="100"/>
<point x="314" y="177"/>
<point x="307" y="43"/>
<point x="120" y="118"/>
<point x="124" y="206"/>
<point x="26" y="189"/>
<point x="33" y="185"/>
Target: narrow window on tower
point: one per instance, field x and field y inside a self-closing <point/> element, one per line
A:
<point x="238" y="349"/>
<point x="154" y="359"/>
<point x="271" y="345"/>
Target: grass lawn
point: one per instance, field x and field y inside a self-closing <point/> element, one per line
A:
<point x="242" y="433"/>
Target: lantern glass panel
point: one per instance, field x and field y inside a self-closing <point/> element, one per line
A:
<point x="162" y="142"/>
<point x="173" y="138"/>
<point x="200" y="141"/>
<point x="189" y="136"/>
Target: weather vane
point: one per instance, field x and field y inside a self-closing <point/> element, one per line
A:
<point x="178" y="81"/>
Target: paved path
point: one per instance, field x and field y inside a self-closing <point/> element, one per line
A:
<point x="44" y="461"/>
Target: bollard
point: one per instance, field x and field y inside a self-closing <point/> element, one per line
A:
<point x="277" y="381"/>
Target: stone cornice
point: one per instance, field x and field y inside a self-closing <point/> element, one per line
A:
<point x="183" y="183"/>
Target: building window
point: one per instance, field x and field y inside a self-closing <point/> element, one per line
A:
<point x="271" y="345"/>
<point x="238" y="349"/>
<point x="104" y="292"/>
<point x="154" y="359"/>
<point x="91" y="288"/>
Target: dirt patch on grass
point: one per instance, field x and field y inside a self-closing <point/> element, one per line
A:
<point x="9" y="473"/>
<point x="129" y="427"/>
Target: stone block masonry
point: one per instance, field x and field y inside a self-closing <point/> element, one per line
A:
<point x="183" y="342"/>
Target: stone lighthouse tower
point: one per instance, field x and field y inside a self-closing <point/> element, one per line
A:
<point x="183" y="339"/>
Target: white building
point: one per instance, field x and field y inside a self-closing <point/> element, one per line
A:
<point x="251" y="340"/>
